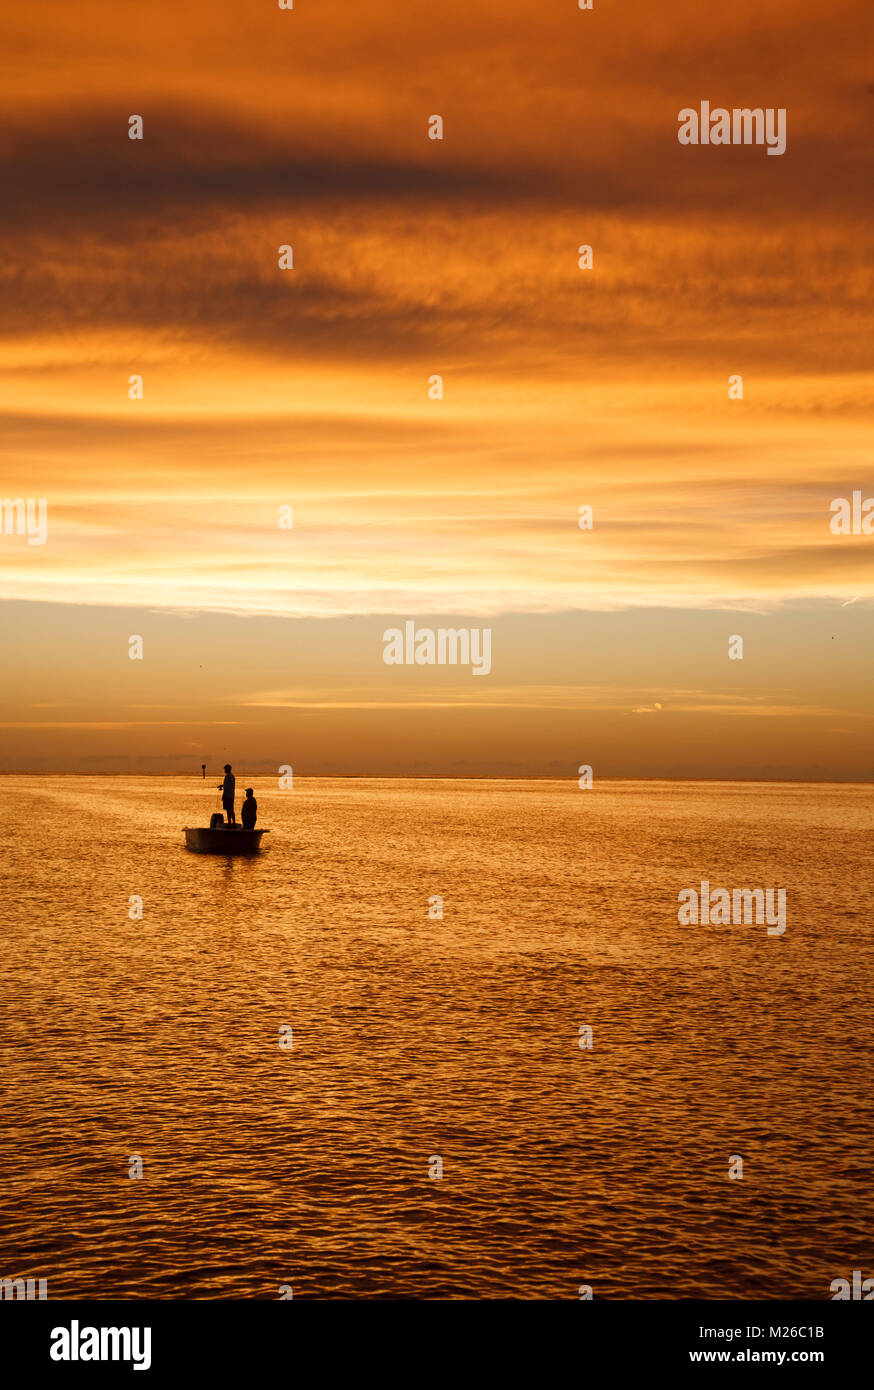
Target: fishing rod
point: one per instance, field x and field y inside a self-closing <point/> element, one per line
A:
<point x="218" y="810"/>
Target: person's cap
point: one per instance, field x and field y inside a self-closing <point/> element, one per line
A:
<point x="250" y="791"/>
<point x="227" y="767"/>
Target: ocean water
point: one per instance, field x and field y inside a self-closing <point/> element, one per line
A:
<point x="416" y="1039"/>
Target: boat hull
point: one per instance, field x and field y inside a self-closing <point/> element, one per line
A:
<point x="228" y="840"/>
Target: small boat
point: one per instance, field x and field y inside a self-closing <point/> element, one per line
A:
<point x="228" y="839"/>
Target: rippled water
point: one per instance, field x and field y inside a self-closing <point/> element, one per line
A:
<point x="416" y="1038"/>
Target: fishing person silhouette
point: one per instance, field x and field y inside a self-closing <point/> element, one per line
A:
<point x="227" y="790"/>
<point x="249" y="810"/>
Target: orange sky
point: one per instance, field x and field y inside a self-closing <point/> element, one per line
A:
<point x="308" y="388"/>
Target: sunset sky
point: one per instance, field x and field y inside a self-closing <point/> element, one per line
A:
<point x="563" y="387"/>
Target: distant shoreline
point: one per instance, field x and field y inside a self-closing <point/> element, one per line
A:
<point x="463" y="777"/>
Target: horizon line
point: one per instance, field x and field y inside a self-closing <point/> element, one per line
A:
<point x="461" y="777"/>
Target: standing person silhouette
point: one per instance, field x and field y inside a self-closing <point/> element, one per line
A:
<point x="249" y="812"/>
<point x="227" y="790"/>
